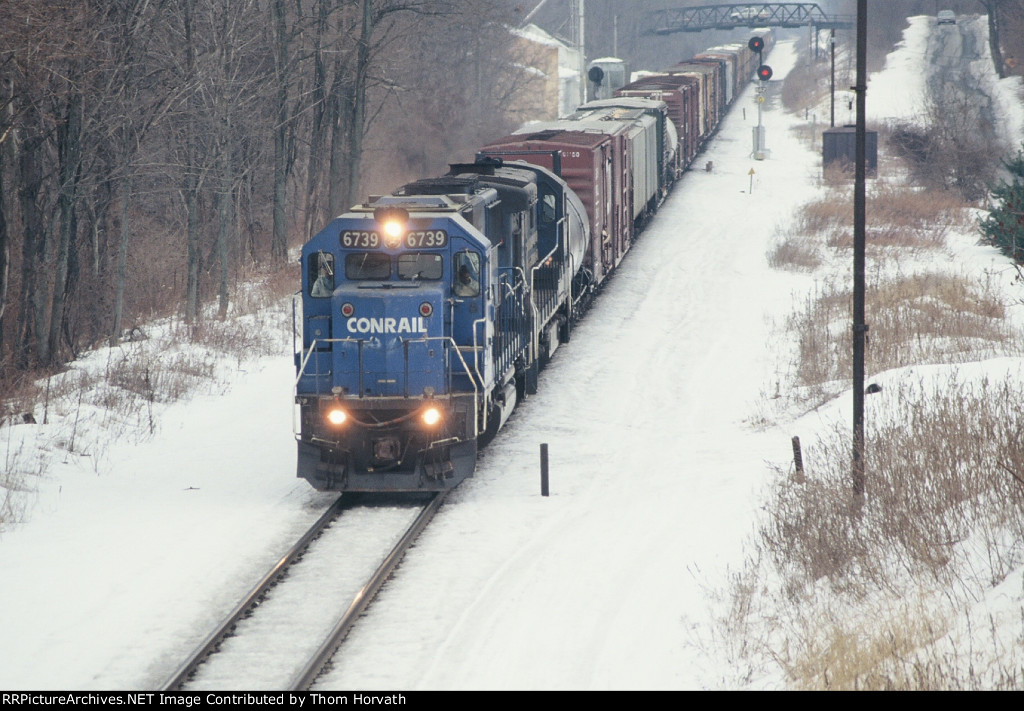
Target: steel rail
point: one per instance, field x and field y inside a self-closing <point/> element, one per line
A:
<point x="365" y="596"/>
<point x="183" y="673"/>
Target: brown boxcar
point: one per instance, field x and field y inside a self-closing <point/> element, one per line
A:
<point x="681" y="94"/>
<point x="587" y="163"/>
<point x="711" y="91"/>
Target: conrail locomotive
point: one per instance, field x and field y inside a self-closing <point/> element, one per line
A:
<point x="427" y="314"/>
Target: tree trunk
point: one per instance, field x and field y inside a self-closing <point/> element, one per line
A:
<point x="319" y="109"/>
<point x="122" y="258"/>
<point x="224" y="222"/>
<point x="5" y="251"/>
<point x="190" y="178"/>
<point x="358" y="120"/>
<point x="69" y="147"/>
<point x="193" y="257"/>
<point x="338" y="172"/>
<point x="34" y="292"/>
<point x="279" y="240"/>
<point x="992" y="6"/>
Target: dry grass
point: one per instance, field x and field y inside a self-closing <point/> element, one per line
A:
<point x="18" y="395"/>
<point x="16" y="477"/>
<point x="895" y="216"/>
<point x="921" y="318"/>
<point x="904" y="646"/>
<point x="116" y="393"/>
<point x="795" y="253"/>
<point x="877" y="595"/>
<point x="944" y="510"/>
<point x="936" y="478"/>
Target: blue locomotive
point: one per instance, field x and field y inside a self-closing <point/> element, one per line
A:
<point x="426" y="315"/>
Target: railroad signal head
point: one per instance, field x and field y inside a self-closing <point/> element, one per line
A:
<point x="756" y="44"/>
<point x="764" y="72"/>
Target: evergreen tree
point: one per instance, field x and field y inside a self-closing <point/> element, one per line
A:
<point x="1004" y="225"/>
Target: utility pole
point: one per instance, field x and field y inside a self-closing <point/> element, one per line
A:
<point x="859" y="327"/>
<point x="832" y="106"/>
<point x="581" y="46"/>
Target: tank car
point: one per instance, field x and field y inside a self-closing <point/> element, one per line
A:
<point x="425" y="315"/>
<point x="605" y="75"/>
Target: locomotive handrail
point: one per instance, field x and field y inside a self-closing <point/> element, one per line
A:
<point x="312" y="350"/>
<point x="296" y="300"/>
<point x="449" y="395"/>
<point x="535" y="336"/>
<point x="476" y="364"/>
<point x="516" y="293"/>
<point x="447" y="340"/>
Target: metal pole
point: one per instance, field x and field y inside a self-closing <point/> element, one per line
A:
<point x="798" y="459"/>
<point x="583" y="54"/>
<point x="532" y="12"/>
<point x="832" y="111"/>
<point x="859" y="326"/>
<point x="544" y="469"/>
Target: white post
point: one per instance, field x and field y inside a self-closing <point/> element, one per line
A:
<point x="583" y="56"/>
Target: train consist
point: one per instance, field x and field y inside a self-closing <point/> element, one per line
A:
<point x="427" y="314"/>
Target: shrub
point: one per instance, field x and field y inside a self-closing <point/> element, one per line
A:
<point x="1003" y="227"/>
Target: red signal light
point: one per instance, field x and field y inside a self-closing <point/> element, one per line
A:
<point x="764" y="72"/>
<point x="756" y="44"/>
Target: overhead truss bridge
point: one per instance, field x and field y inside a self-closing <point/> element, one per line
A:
<point x="727" y="17"/>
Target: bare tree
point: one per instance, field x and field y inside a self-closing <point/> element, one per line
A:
<point x="283" y="73"/>
<point x="149" y="139"/>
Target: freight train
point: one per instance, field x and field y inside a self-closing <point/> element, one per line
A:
<point x="426" y="315"/>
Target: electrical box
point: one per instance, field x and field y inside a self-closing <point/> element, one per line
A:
<point x="839" y="145"/>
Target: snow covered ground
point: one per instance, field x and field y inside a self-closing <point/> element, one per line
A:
<point x="615" y="581"/>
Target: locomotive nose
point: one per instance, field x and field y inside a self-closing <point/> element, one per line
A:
<point x="393" y="340"/>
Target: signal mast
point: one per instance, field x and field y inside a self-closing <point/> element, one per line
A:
<point x="764" y="73"/>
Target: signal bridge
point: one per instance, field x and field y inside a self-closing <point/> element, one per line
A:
<point x="727" y="17"/>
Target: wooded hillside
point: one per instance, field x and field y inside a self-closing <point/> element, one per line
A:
<point x="154" y="153"/>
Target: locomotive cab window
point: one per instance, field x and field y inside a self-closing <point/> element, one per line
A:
<point x="361" y="266"/>
<point x="418" y="266"/>
<point x="321" y="275"/>
<point x="548" y="208"/>
<point x="466" y="268"/>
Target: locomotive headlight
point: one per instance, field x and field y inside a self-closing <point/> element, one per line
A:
<point x="392" y="221"/>
<point x="431" y="416"/>
<point x="336" y="416"/>
<point x="393" y="233"/>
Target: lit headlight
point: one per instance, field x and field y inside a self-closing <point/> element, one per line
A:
<point x="394" y="231"/>
<point x="336" y="416"/>
<point x="392" y="221"/>
<point x="431" y="416"/>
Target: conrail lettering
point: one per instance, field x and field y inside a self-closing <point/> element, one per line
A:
<point x="387" y="325"/>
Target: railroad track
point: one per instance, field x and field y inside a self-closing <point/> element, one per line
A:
<point x="283" y="633"/>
